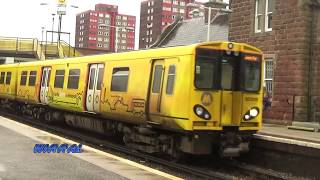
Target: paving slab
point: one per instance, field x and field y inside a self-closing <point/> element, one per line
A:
<point x="18" y="161"/>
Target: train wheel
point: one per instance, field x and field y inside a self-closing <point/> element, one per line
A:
<point x="36" y="113"/>
<point x="48" y="117"/>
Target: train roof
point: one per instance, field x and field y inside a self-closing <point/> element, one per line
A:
<point x="139" y="54"/>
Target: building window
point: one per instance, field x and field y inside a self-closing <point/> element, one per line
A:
<point x="59" y="79"/>
<point x="119" y="80"/>
<point x="258" y="15"/>
<point x="99" y="33"/>
<point x="100" y="15"/>
<point x="175" y="2"/>
<point x="269" y="11"/>
<point x="2" y="76"/>
<point x="170" y="80"/>
<point x="23" y="79"/>
<point x="268" y="75"/>
<point x="166" y="8"/>
<point x="73" y="78"/>
<point x="99" y="45"/>
<point x="263" y="15"/>
<point x="149" y="25"/>
<point x="8" y="78"/>
<point x="32" y="78"/>
<point x="151" y="18"/>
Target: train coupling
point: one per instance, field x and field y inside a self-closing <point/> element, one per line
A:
<point x="232" y="145"/>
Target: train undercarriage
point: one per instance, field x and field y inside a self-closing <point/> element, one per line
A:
<point x="145" y="138"/>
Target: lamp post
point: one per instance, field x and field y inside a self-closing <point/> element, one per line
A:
<point x="52" y="28"/>
<point x="209" y="14"/>
<point x="42" y="31"/>
<point x="61" y="10"/>
<point x="116" y="34"/>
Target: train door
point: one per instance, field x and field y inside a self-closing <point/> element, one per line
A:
<point x="45" y="80"/>
<point x="227" y="83"/>
<point x="156" y="87"/>
<point x="95" y="80"/>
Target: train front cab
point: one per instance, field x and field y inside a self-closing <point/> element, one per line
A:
<point x="226" y="98"/>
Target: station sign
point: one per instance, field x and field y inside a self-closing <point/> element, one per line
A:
<point x="61" y="7"/>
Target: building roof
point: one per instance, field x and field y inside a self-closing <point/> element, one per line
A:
<point x="185" y="32"/>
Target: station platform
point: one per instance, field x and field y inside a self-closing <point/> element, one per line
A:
<point x="282" y="134"/>
<point x="18" y="161"/>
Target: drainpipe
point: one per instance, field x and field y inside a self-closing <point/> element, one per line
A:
<point x="311" y="55"/>
<point x="310" y="65"/>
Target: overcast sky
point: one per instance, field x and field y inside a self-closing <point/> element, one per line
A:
<point x="24" y="18"/>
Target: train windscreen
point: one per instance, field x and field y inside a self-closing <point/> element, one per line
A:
<point x="221" y="70"/>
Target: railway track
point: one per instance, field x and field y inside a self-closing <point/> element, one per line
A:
<point x="230" y="169"/>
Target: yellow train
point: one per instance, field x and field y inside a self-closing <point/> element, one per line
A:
<point x="187" y="99"/>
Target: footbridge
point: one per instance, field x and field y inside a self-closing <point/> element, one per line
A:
<point x="31" y="49"/>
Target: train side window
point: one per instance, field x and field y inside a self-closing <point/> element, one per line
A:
<point x="157" y="76"/>
<point x="8" y="78"/>
<point x="73" y="78"/>
<point x="2" y="76"/>
<point x="32" y="78"/>
<point x="23" y="79"/>
<point x="59" y="79"/>
<point x="100" y="77"/>
<point x="171" y="78"/>
<point x="119" y="80"/>
<point x="92" y="76"/>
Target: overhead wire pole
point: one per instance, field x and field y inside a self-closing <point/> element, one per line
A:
<point x="209" y="24"/>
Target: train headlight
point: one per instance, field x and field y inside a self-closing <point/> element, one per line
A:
<point x="253" y="112"/>
<point x="199" y="111"/>
<point x="230" y="45"/>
